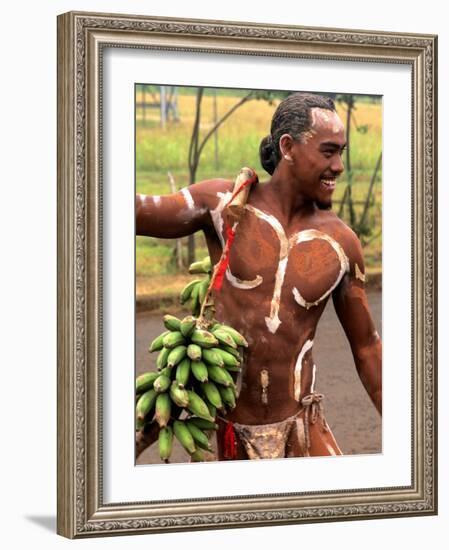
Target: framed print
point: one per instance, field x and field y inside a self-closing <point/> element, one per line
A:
<point x="130" y="90"/>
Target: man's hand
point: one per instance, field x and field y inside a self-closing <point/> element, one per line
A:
<point x="146" y="437"/>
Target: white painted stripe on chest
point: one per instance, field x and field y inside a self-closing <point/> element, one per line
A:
<point x="309" y="235"/>
<point x="286" y="245"/>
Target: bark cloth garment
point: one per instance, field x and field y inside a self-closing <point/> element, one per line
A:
<point x="304" y="434"/>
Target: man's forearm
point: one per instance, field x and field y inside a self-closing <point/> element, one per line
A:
<point x="369" y="366"/>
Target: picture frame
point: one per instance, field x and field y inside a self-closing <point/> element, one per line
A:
<point x="83" y="39"/>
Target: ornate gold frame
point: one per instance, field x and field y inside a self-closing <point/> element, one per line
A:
<point x="81" y="37"/>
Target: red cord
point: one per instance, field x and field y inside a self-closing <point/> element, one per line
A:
<point x="230" y="234"/>
<point x="229" y="442"/>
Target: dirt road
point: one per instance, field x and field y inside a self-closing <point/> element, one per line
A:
<point x="349" y="412"/>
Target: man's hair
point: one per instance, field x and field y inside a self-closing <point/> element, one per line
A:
<point x="292" y="116"/>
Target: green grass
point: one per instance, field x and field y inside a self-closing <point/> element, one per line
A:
<point x="161" y="150"/>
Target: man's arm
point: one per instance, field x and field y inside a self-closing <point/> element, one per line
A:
<point x="351" y="306"/>
<point x="178" y="214"/>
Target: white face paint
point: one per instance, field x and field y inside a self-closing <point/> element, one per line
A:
<point x="326" y="117"/>
<point x="298" y="368"/>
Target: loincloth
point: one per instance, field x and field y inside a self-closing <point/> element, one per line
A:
<point x="304" y="434"/>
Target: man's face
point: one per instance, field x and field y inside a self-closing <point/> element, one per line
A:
<point x="316" y="158"/>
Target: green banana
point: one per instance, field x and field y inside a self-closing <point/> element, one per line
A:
<point x="140" y="423"/>
<point x="183" y="372"/>
<point x="166" y="371"/>
<point x="203" y="290"/>
<point x="228" y="396"/>
<point x="207" y="264"/>
<point x="157" y="344"/>
<point x="171" y="322"/>
<point x="162" y="383"/>
<point x="233" y="351"/>
<point x="203" y="338"/>
<point x="228" y="359"/>
<point x="202" y="266"/>
<point x="233" y="369"/>
<point x="199" y="371"/>
<point x="178" y="395"/>
<point x="194" y="300"/>
<point x="187" y="325"/>
<point x="203" y="424"/>
<point x="197" y="456"/>
<point x="212" y="357"/>
<point x="194" y="352"/>
<point x="184" y="436"/>
<point x="162" y="358"/>
<point x="165" y="441"/>
<point x="163" y="409"/>
<point x="236" y="336"/>
<point x="186" y="292"/>
<point x="176" y="356"/>
<point x="146" y="403"/>
<point x="224" y="338"/>
<point x="173" y="339"/>
<point x="198" y="407"/>
<point x="220" y="376"/>
<point x="199" y="437"/>
<point x="212" y="410"/>
<point x="212" y="394"/>
<point x="145" y="381"/>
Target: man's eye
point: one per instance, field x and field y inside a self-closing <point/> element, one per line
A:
<point x="328" y="154"/>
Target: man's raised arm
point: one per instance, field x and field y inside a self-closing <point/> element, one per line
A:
<point x="351" y="306"/>
<point x="178" y="214"/>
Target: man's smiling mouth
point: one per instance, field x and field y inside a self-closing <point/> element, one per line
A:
<point x="328" y="183"/>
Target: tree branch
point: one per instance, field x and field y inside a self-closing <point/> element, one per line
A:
<point x="220" y="122"/>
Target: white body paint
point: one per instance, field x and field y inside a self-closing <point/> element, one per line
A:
<point x="188" y="198"/>
<point x="298" y="368"/>
<point x="312" y="386"/>
<point x="308" y="235"/>
<point x="358" y="273"/>
<point x="217" y="219"/>
<point x="157" y="200"/>
<point x="272" y="321"/>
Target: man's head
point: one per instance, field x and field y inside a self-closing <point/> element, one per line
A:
<point x="308" y="137"/>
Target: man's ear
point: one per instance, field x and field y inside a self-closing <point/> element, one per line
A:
<point x="285" y="146"/>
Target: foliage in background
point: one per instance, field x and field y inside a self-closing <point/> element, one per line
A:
<point x="236" y="144"/>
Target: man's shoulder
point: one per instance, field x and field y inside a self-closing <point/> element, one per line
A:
<point x="344" y="235"/>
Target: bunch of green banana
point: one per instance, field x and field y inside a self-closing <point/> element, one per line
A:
<point x="194" y="380"/>
<point x="196" y="290"/>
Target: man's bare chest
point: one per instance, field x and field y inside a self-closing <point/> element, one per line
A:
<point x="299" y="265"/>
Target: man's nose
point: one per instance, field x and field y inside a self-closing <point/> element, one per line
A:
<point x="337" y="165"/>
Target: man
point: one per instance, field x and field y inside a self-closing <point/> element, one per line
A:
<point x="289" y="255"/>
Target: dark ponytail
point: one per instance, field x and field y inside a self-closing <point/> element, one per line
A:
<point x="267" y="154"/>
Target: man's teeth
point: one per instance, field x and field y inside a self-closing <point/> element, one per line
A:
<point x="328" y="182"/>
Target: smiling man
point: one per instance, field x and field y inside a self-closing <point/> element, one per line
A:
<point x="289" y="255"/>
